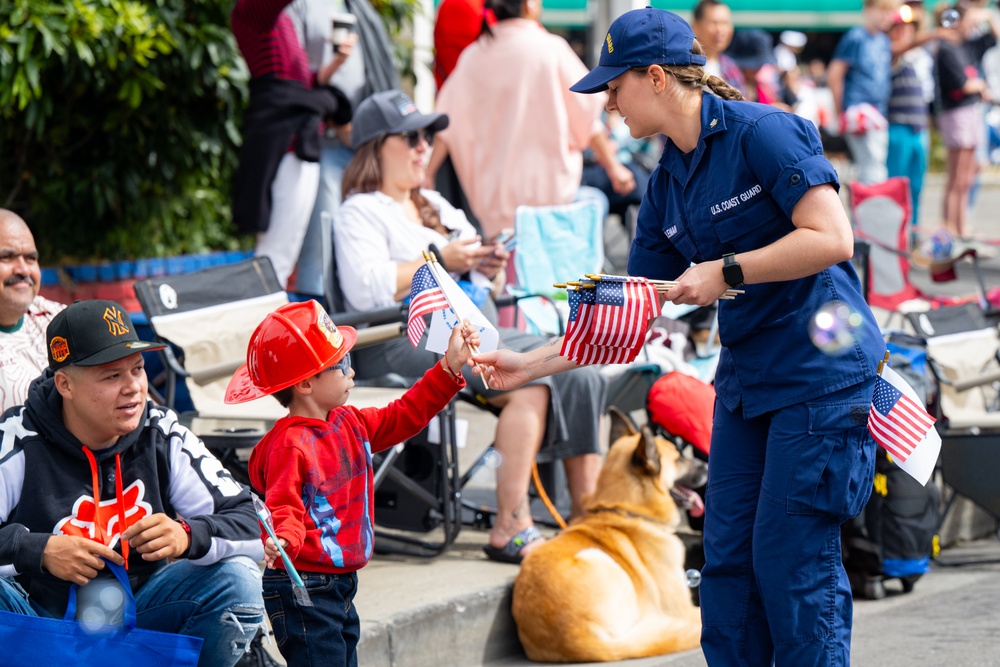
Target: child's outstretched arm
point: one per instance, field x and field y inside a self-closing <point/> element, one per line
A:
<point x="464" y="339"/>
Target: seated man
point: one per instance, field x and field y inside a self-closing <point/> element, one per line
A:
<point x="87" y="435"/>
<point x="23" y="314"/>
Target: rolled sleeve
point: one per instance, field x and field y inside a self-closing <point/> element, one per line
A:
<point x="794" y="180"/>
<point x="787" y="158"/>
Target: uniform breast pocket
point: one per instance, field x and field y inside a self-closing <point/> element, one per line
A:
<point x="745" y="221"/>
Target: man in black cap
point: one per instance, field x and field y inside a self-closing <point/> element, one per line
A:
<point x="91" y="469"/>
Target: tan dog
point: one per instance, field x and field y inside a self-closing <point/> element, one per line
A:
<point x="612" y="586"/>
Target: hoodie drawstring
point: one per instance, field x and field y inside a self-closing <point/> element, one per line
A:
<point x="101" y="536"/>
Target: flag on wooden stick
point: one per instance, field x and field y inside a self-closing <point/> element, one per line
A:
<point x="899" y="424"/>
<point x="425" y="298"/>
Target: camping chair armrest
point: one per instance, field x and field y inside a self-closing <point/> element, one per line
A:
<point x="379" y="334"/>
<point x="394" y="313"/>
<point x="964" y="385"/>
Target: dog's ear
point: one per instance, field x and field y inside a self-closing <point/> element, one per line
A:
<point x="621" y="425"/>
<point x="646" y="456"/>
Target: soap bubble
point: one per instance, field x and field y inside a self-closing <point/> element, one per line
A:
<point x="693" y="578"/>
<point x="492" y="459"/>
<point x="950" y="18"/>
<point x="100" y="605"/>
<point x="834" y="328"/>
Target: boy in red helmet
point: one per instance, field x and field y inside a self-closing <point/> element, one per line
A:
<point x="315" y="468"/>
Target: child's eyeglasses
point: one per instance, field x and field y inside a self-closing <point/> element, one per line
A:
<point x="413" y="137"/>
<point x="344" y="365"/>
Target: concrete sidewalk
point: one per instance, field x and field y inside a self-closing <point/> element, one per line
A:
<point x="454" y="610"/>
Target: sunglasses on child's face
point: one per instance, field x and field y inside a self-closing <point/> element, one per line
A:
<point x="413" y="137"/>
<point x="344" y="365"/>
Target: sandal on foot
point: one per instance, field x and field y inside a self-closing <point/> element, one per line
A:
<point x="511" y="552"/>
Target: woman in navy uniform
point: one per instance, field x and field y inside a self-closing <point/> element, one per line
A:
<point x="743" y="196"/>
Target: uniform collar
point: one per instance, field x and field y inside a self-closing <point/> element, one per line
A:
<point x="713" y="120"/>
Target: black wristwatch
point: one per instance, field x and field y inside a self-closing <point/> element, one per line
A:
<point x="732" y="272"/>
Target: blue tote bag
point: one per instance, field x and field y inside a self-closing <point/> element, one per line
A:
<point x="33" y="641"/>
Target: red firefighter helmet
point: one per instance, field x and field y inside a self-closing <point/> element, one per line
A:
<point x="295" y="342"/>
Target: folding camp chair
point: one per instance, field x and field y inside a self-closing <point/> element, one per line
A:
<point x="554" y="244"/>
<point x="881" y="215"/>
<point x="966" y="367"/>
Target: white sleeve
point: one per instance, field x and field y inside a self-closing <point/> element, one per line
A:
<point x="365" y="268"/>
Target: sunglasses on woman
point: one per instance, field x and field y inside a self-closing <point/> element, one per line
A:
<point x="344" y="365"/>
<point x="413" y="137"/>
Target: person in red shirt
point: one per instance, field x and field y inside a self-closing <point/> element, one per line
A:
<point x="459" y="23"/>
<point x="314" y="468"/>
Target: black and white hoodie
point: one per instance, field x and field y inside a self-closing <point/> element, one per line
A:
<point x="47" y="482"/>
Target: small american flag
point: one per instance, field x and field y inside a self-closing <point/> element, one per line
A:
<point x="896" y="421"/>
<point x="614" y="326"/>
<point x="425" y="298"/>
<point x="581" y="304"/>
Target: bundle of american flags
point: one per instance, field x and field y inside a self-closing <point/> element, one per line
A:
<point x="608" y="317"/>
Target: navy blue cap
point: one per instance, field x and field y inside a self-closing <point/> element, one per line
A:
<point x="640" y="38"/>
<point x="391" y="112"/>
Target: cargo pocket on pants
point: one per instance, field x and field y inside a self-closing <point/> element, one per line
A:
<point x="835" y="467"/>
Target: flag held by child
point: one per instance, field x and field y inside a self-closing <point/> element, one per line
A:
<point x="899" y="424"/>
<point x="425" y="297"/>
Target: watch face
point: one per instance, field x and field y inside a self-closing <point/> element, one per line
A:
<point x="732" y="273"/>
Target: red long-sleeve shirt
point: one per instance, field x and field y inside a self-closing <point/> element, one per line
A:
<point x="317" y="475"/>
<point x="268" y="41"/>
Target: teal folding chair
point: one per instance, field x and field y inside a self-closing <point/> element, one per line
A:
<point x="554" y="244"/>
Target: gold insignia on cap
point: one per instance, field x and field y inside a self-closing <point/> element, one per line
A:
<point x="611" y="47"/>
<point x="116" y="321"/>
<point x="59" y="348"/>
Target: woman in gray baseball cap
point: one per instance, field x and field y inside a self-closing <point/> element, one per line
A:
<point x="380" y="231"/>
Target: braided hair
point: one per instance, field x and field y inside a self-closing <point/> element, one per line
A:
<point x="695" y="76"/>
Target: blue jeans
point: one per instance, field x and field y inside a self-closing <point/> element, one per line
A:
<point x="774" y="589"/>
<point x="326" y="633"/>
<point x="908" y="157"/>
<point x="221" y="603"/>
<point x="309" y="279"/>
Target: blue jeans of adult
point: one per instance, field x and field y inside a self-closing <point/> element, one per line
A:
<point x="908" y="157"/>
<point x="221" y="603"/>
<point x="324" y="634"/>
<point x="332" y="162"/>
<point x="774" y="589"/>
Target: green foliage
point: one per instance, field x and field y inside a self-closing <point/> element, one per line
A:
<point x="119" y="124"/>
<point x="398" y="16"/>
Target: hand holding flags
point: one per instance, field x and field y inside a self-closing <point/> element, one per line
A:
<point x="434" y="292"/>
<point x="899" y="424"/>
